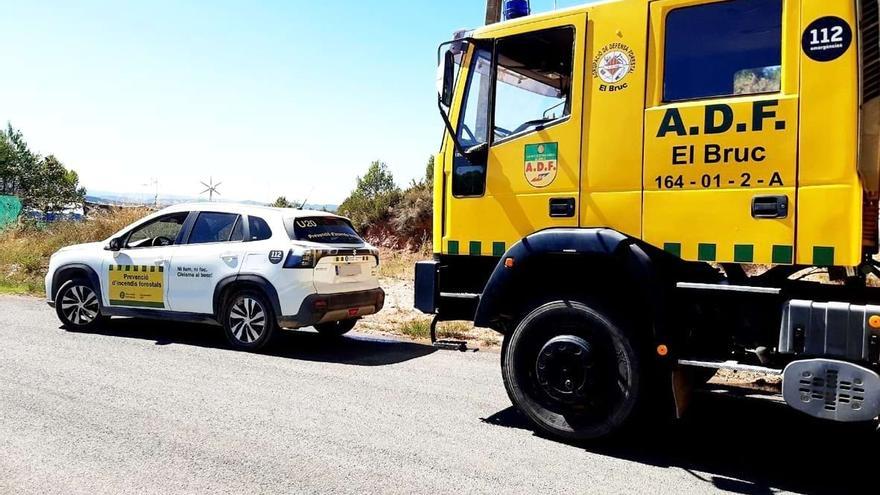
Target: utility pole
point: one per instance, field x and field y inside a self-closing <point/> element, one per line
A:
<point x="493" y="11"/>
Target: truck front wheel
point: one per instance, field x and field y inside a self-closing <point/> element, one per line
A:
<point x="572" y="370"/>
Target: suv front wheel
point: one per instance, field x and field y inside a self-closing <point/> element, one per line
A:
<point x="76" y="304"/>
<point x="248" y="320"/>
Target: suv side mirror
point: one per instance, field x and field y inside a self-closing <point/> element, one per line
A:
<point x="115" y="244"/>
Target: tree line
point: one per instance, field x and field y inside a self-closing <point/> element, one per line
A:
<point x="41" y="183"/>
<point x="379" y="208"/>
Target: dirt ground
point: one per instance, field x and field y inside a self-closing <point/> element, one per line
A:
<point x="400" y="318"/>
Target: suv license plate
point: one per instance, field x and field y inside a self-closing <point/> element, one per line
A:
<point x="349" y="270"/>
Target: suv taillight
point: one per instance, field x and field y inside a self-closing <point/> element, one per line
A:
<point x="297" y="258"/>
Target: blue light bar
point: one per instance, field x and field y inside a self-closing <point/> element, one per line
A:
<point x="514" y="9"/>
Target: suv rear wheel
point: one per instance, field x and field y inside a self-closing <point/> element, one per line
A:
<point x="336" y="328"/>
<point x="76" y="304"/>
<point x="248" y="320"/>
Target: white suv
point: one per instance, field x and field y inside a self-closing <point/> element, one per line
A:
<point x="250" y="269"/>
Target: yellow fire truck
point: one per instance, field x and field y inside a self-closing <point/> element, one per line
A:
<point x="638" y="193"/>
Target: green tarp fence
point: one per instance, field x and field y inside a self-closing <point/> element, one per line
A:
<point x="10" y="208"/>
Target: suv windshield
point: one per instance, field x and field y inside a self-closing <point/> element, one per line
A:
<point x="327" y="230"/>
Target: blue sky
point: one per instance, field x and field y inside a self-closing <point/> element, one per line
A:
<point x="272" y="98"/>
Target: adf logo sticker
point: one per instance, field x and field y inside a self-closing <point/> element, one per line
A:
<point x="541" y="163"/>
<point x="614" y="62"/>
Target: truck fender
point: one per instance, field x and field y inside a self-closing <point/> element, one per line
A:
<point x="636" y="264"/>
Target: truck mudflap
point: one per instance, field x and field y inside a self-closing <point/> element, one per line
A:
<point x="832" y="390"/>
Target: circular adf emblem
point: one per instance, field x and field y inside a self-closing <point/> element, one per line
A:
<point x="541" y="164"/>
<point x="613" y="63"/>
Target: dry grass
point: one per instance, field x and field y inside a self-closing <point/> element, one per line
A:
<point x="25" y="248"/>
<point x="400" y="264"/>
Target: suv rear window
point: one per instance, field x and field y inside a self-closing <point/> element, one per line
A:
<point x="328" y="230"/>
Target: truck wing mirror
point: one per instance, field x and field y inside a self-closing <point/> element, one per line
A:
<point x="447" y="79"/>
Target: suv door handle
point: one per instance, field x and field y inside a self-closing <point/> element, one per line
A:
<point x="228" y="256"/>
<point x="770" y="207"/>
<point x="159" y="262"/>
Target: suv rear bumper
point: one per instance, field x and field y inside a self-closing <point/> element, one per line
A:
<point x="322" y="308"/>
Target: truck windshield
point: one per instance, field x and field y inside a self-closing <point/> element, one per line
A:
<point x="326" y="230"/>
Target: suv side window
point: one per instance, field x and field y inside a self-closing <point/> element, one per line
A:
<point x="723" y="49"/>
<point x="162" y="231"/>
<point x="215" y="227"/>
<point x="259" y="229"/>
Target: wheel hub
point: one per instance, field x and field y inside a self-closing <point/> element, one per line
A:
<point x="247" y="320"/>
<point x="563" y="368"/>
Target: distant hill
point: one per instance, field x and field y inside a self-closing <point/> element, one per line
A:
<point x="115" y="198"/>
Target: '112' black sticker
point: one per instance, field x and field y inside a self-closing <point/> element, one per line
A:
<point x="275" y="257"/>
<point x="827" y="38"/>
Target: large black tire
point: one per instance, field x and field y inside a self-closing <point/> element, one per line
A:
<point x="336" y="328"/>
<point x="572" y="370"/>
<point x="248" y="320"/>
<point x="77" y="305"/>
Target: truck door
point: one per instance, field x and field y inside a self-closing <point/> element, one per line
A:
<point x="521" y="105"/>
<point x="721" y="129"/>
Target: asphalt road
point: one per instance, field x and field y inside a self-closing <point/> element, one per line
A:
<point x="148" y="407"/>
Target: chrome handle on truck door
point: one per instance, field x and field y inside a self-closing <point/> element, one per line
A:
<point x="159" y="262"/>
<point x="562" y="207"/>
<point x="770" y="207"/>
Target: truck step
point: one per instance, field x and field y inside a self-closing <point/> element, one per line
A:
<point x="730" y="365"/>
<point x="729" y="288"/>
<point x="459" y="295"/>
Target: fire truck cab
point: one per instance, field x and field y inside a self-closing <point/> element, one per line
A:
<point x="638" y="193"/>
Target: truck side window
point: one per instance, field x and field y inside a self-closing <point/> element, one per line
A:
<point x="474" y="114"/>
<point x="723" y="49"/>
<point x="469" y="177"/>
<point x="533" y="80"/>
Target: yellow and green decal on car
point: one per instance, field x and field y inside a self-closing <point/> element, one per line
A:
<point x="136" y="286"/>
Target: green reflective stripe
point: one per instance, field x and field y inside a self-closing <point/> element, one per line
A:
<point x="498" y="249"/>
<point x="673" y="248"/>
<point x="783" y="255"/>
<point x="706" y="252"/>
<point x="475" y="248"/>
<point x="452" y="247"/>
<point x="743" y="253"/>
<point x="823" y="256"/>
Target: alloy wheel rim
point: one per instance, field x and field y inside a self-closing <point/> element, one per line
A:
<point x="80" y="305"/>
<point x="247" y="320"/>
